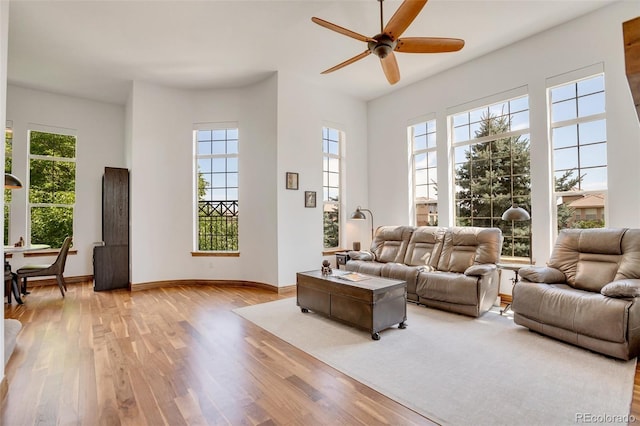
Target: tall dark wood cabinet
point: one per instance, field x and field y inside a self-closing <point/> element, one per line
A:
<point x="111" y="261"/>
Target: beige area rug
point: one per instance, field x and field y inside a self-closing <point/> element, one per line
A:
<point x="459" y="370"/>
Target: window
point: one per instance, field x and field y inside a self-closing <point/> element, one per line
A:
<point x="52" y="186"/>
<point x="331" y="139"/>
<point x="8" y="150"/>
<point x="217" y="189"/>
<point x="425" y="172"/>
<point x="579" y="142"/>
<point x="492" y="169"/>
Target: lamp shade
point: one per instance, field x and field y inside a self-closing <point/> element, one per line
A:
<point x="516" y="213"/>
<point x="358" y="215"/>
<point x="11" y="182"/>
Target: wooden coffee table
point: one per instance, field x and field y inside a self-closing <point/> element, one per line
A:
<point x="373" y="303"/>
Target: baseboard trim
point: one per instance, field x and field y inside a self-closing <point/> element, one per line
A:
<point x="285" y="290"/>
<point x="52" y="281"/>
<point x="226" y="283"/>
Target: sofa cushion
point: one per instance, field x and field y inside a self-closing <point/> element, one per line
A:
<point x="449" y="287"/>
<point x="588" y="257"/>
<point x="425" y="246"/>
<point x="400" y="271"/>
<point x="630" y="263"/>
<point x="466" y="246"/>
<point x="622" y="288"/>
<point x="584" y="312"/>
<point x="365" y="267"/>
<point x="390" y="243"/>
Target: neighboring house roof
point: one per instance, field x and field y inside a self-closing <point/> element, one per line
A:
<point x="588" y="201"/>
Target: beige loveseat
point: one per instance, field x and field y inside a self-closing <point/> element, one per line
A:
<point x="587" y="294"/>
<point x="453" y="269"/>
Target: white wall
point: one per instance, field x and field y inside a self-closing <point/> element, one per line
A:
<point x="162" y="122"/>
<point x="591" y="39"/>
<point x="303" y="109"/>
<point x="100" y="142"/>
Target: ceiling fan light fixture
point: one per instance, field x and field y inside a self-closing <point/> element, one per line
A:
<point x="384" y="44"/>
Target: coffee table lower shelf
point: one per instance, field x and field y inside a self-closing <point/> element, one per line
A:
<point x="373" y="304"/>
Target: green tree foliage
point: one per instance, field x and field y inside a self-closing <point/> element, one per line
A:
<point x="566" y="182"/>
<point x="495" y="175"/>
<point x="52" y="183"/>
<point x="8" y="152"/>
<point x="217" y="222"/>
<point x="331" y="224"/>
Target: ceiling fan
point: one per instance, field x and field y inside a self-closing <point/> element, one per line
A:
<point x="388" y="41"/>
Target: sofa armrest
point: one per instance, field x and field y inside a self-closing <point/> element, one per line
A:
<point x="480" y="270"/>
<point x="622" y="288"/>
<point x="542" y="274"/>
<point x="361" y="255"/>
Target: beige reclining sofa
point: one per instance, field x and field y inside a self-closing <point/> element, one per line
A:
<point x="587" y="294"/>
<point x="453" y="269"/>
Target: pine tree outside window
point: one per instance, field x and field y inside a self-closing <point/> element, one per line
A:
<point x="492" y="169"/>
<point x="331" y="159"/>
<point x="52" y="186"/>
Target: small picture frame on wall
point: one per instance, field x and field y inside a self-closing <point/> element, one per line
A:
<point x="292" y="180"/>
<point x="309" y="198"/>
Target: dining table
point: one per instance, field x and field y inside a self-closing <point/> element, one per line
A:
<point x="15" y="287"/>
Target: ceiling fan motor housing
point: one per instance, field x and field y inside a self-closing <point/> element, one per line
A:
<point x="382" y="46"/>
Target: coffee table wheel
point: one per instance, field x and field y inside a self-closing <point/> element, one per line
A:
<point x="402" y="325"/>
<point x="375" y="336"/>
<point x="304" y="310"/>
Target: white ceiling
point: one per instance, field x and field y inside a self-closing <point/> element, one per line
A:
<point x="94" y="49"/>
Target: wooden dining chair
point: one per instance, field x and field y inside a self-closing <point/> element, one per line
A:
<point x="56" y="268"/>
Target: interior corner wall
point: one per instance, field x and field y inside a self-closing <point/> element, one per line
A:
<point x="593" y="38"/>
<point x="162" y="212"/>
<point x="99" y="128"/>
<point x="303" y="109"/>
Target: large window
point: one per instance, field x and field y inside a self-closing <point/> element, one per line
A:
<point x="331" y="140"/>
<point x="492" y="169"/>
<point x="217" y="189"/>
<point x="52" y="186"/>
<point x="425" y="172"/>
<point x="8" y="151"/>
<point x="579" y="141"/>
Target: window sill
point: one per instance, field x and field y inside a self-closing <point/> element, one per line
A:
<point x="215" y="254"/>
<point x="48" y="252"/>
<point x="516" y="260"/>
<point x="330" y="252"/>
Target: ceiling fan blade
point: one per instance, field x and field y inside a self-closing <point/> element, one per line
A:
<point x="429" y="45"/>
<point x="390" y="68"/>
<point x="347" y="62"/>
<point x="341" y="30"/>
<point x="403" y="17"/>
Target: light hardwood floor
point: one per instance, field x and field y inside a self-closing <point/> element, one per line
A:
<point x="173" y="356"/>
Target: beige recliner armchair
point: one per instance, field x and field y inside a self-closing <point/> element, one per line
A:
<point x="588" y="294"/>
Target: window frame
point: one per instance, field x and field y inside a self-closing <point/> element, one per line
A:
<point x="520" y="231"/>
<point x="31" y="205"/>
<point x="431" y="169"/>
<point x="8" y="155"/>
<point x="574" y="78"/>
<point x="327" y="186"/>
<point x="234" y="207"/>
